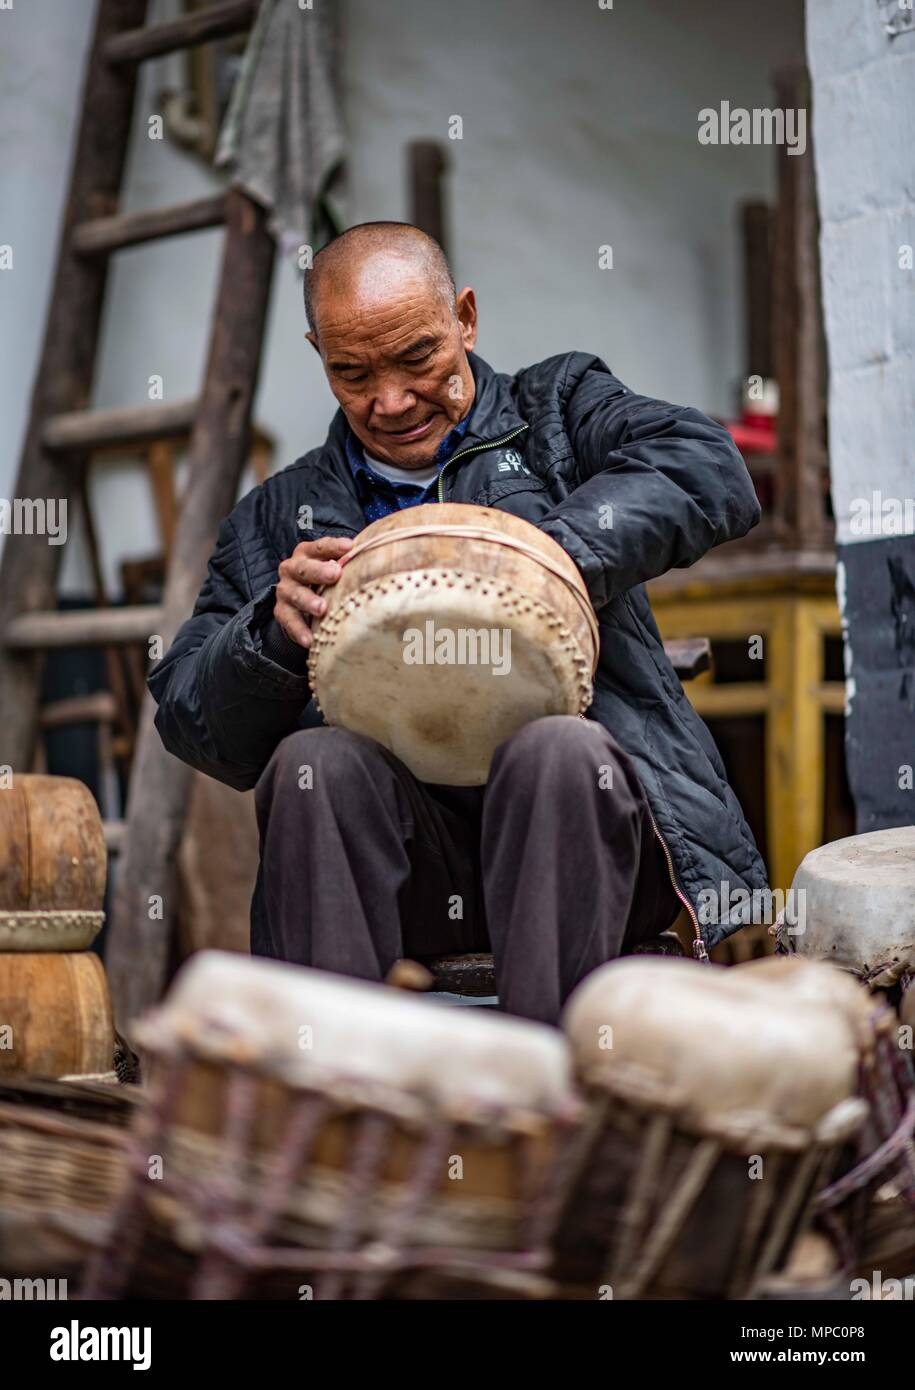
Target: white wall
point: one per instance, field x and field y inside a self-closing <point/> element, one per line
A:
<point x="579" y="130"/>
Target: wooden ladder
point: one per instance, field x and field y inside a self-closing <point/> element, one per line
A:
<point x="62" y="433"/>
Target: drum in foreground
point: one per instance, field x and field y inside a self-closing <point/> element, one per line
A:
<point x="450" y="628"/>
<point x="337" y="1137"/>
<point x="720" y="1100"/>
<point x="852" y="904"/>
<point x="52" y="865"/>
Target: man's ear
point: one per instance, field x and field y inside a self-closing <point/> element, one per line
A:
<point x="466" y="307"/>
<point x="313" y="339"/>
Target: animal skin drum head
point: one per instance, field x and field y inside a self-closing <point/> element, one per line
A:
<point x="760" y="1048"/>
<point x="230" y="1008"/>
<point x="853" y="903"/>
<point x="450" y="628"/>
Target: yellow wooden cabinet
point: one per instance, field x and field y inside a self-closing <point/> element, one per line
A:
<point x="788" y="601"/>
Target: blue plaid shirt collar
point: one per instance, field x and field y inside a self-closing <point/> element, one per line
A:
<point x="378" y="495"/>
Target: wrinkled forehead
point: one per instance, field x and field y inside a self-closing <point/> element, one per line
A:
<point x="380" y="299"/>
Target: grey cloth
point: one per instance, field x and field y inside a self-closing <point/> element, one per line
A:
<point x="283" y="138"/>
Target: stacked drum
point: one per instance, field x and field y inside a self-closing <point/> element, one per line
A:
<point x="55" y="1012"/>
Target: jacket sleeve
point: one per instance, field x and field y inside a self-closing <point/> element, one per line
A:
<point x="223" y="704"/>
<point x="657" y="486"/>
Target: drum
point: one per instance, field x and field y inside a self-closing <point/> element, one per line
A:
<point x="853" y="904"/>
<point x="321" y="1134"/>
<point x="52" y="865"/>
<point x="55" y="1015"/>
<point x="450" y="627"/>
<point x="720" y="1100"/>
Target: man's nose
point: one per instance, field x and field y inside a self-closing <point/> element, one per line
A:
<point x="393" y="398"/>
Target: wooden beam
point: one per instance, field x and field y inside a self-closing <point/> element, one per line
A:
<point x="63" y="379"/>
<point x="217" y="22"/>
<point x="97" y="708"/>
<point x="138" y="946"/>
<point x="427" y="164"/>
<point x="82" y="431"/>
<point x="798" y="351"/>
<point x="101" y="235"/>
<point x="689" y="656"/>
<point x="756" y="225"/>
<point x="84" y="627"/>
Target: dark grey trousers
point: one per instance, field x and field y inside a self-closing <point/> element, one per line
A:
<point x="553" y="865"/>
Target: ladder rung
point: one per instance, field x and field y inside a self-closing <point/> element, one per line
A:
<point x="115" y="833"/>
<point x="104" y="234"/>
<point x="98" y="708"/>
<point x="136" y="45"/>
<point x="96" y="429"/>
<point x="84" y="627"/>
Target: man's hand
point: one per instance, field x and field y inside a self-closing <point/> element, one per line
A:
<point x="312" y="563"/>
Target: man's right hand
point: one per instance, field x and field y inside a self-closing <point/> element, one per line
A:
<point x="312" y="563"/>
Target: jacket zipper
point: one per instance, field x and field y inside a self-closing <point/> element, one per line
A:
<point x="700" y="950"/>
<point x="475" y="449"/>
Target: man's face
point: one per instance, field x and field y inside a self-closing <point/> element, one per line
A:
<point x="395" y="355"/>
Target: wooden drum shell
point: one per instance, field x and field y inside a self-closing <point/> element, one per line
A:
<point x="52" y="865"/>
<point x="58" y="1010"/>
<point x="484" y="1208"/>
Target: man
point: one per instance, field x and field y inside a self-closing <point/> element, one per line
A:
<point x="590" y="834"/>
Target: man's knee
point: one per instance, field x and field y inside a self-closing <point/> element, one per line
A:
<point x="562" y="752"/>
<point x="319" y="759"/>
<point x="557" y="741"/>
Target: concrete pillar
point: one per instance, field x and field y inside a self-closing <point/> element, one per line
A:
<point x="861" y="55"/>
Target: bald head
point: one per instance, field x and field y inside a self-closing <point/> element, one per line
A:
<point x="386" y="252"/>
<point x="393" y="338"/>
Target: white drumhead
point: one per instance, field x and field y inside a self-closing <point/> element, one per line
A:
<point x="734" y="1049"/>
<point x="441" y="671"/>
<point x="311" y="1028"/>
<point x="854" y="901"/>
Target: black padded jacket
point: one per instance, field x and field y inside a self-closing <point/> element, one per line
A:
<point x="631" y="487"/>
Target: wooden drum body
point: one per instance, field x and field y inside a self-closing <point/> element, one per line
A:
<point x="52" y="865"/>
<point x="55" y="1014"/>
<point x="720" y="1103"/>
<point x="450" y="627"/>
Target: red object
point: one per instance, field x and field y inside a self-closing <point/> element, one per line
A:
<point x="754" y="434"/>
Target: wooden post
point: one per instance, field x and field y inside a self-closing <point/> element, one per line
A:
<point x="139" y="943"/>
<point x="63" y="382"/>
<point x="756" y="225"/>
<point x="798" y="338"/>
<point x="427" y="164"/>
